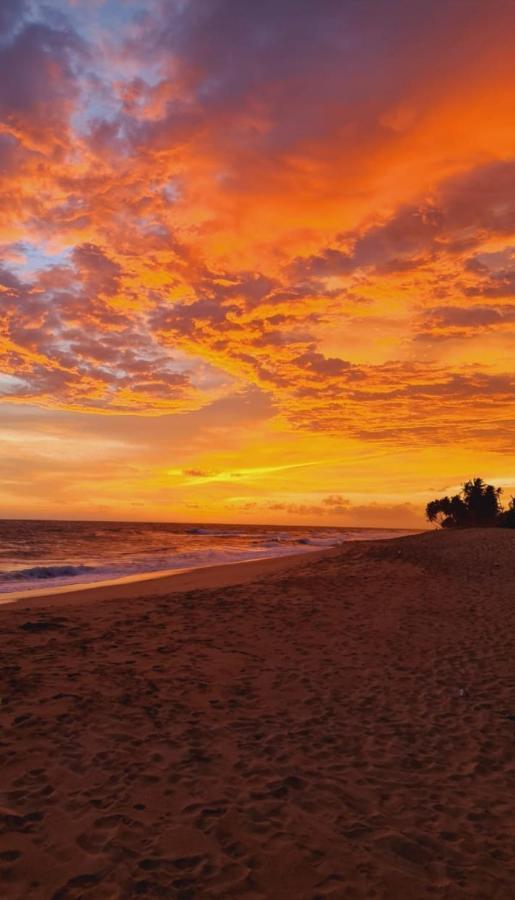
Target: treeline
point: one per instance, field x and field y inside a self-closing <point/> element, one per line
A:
<point x="477" y="505"/>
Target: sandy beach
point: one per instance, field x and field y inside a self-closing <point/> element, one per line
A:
<point x="340" y="725"/>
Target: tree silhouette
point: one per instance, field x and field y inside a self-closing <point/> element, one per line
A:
<point x="482" y="501"/>
<point x="507" y="518"/>
<point x="477" y="504"/>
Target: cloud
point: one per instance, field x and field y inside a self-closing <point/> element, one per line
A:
<point x="276" y="198"/>
<point x="468" y="317"/>
<point x="11" y="14"/>
<point x="365" y="515"/>
<point x="336" y="503"/>
<point x="38" y="80"/>
<point x="395" y="515"/>
<point x="308" y="71"/>
<point x="498" y="284"/>
<point x="321" y="365"/>
<point x="99" y="273"/>
<point x="67" y="346"/>
<point x="464" y="209"/>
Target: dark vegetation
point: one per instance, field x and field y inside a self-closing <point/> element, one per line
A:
<point x="477" y="505"/>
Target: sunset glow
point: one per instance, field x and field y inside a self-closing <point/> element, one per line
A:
<point x="257" y="259"/>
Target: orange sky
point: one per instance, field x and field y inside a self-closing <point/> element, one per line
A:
<point x="257" y="260"/>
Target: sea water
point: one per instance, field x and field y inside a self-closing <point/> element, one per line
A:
<point x="37" y="554"/>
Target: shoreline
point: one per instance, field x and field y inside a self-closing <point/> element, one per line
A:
<point x="164" y="580"/>
<point x="161" y="583"/>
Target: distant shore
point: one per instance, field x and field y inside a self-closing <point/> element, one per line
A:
<point x="336" y="724"/>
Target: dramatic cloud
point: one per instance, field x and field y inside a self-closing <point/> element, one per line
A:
<point x="469" y="317"/>
<point x="310" y="205"/>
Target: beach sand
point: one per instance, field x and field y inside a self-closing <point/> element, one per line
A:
<point x="340" y="725"/>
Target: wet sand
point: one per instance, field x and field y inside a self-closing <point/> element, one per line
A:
<point x="338" y="726"/>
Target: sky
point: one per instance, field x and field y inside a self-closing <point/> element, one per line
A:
<point x="257" y="260"/>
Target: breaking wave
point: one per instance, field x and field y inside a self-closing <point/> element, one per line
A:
<point x="44" y="572"/>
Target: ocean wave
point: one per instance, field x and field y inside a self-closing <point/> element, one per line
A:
<point x="198" y="531"/>
<point x="43" y="572"/>
<point x="216" y="532"/>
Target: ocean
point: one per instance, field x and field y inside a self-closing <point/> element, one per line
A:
<point x="40" y="554"/>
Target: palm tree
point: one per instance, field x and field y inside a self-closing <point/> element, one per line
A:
<point x="477" y="504"/>
<point x="482" y="502"/>
<point x="507" y="518"/>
